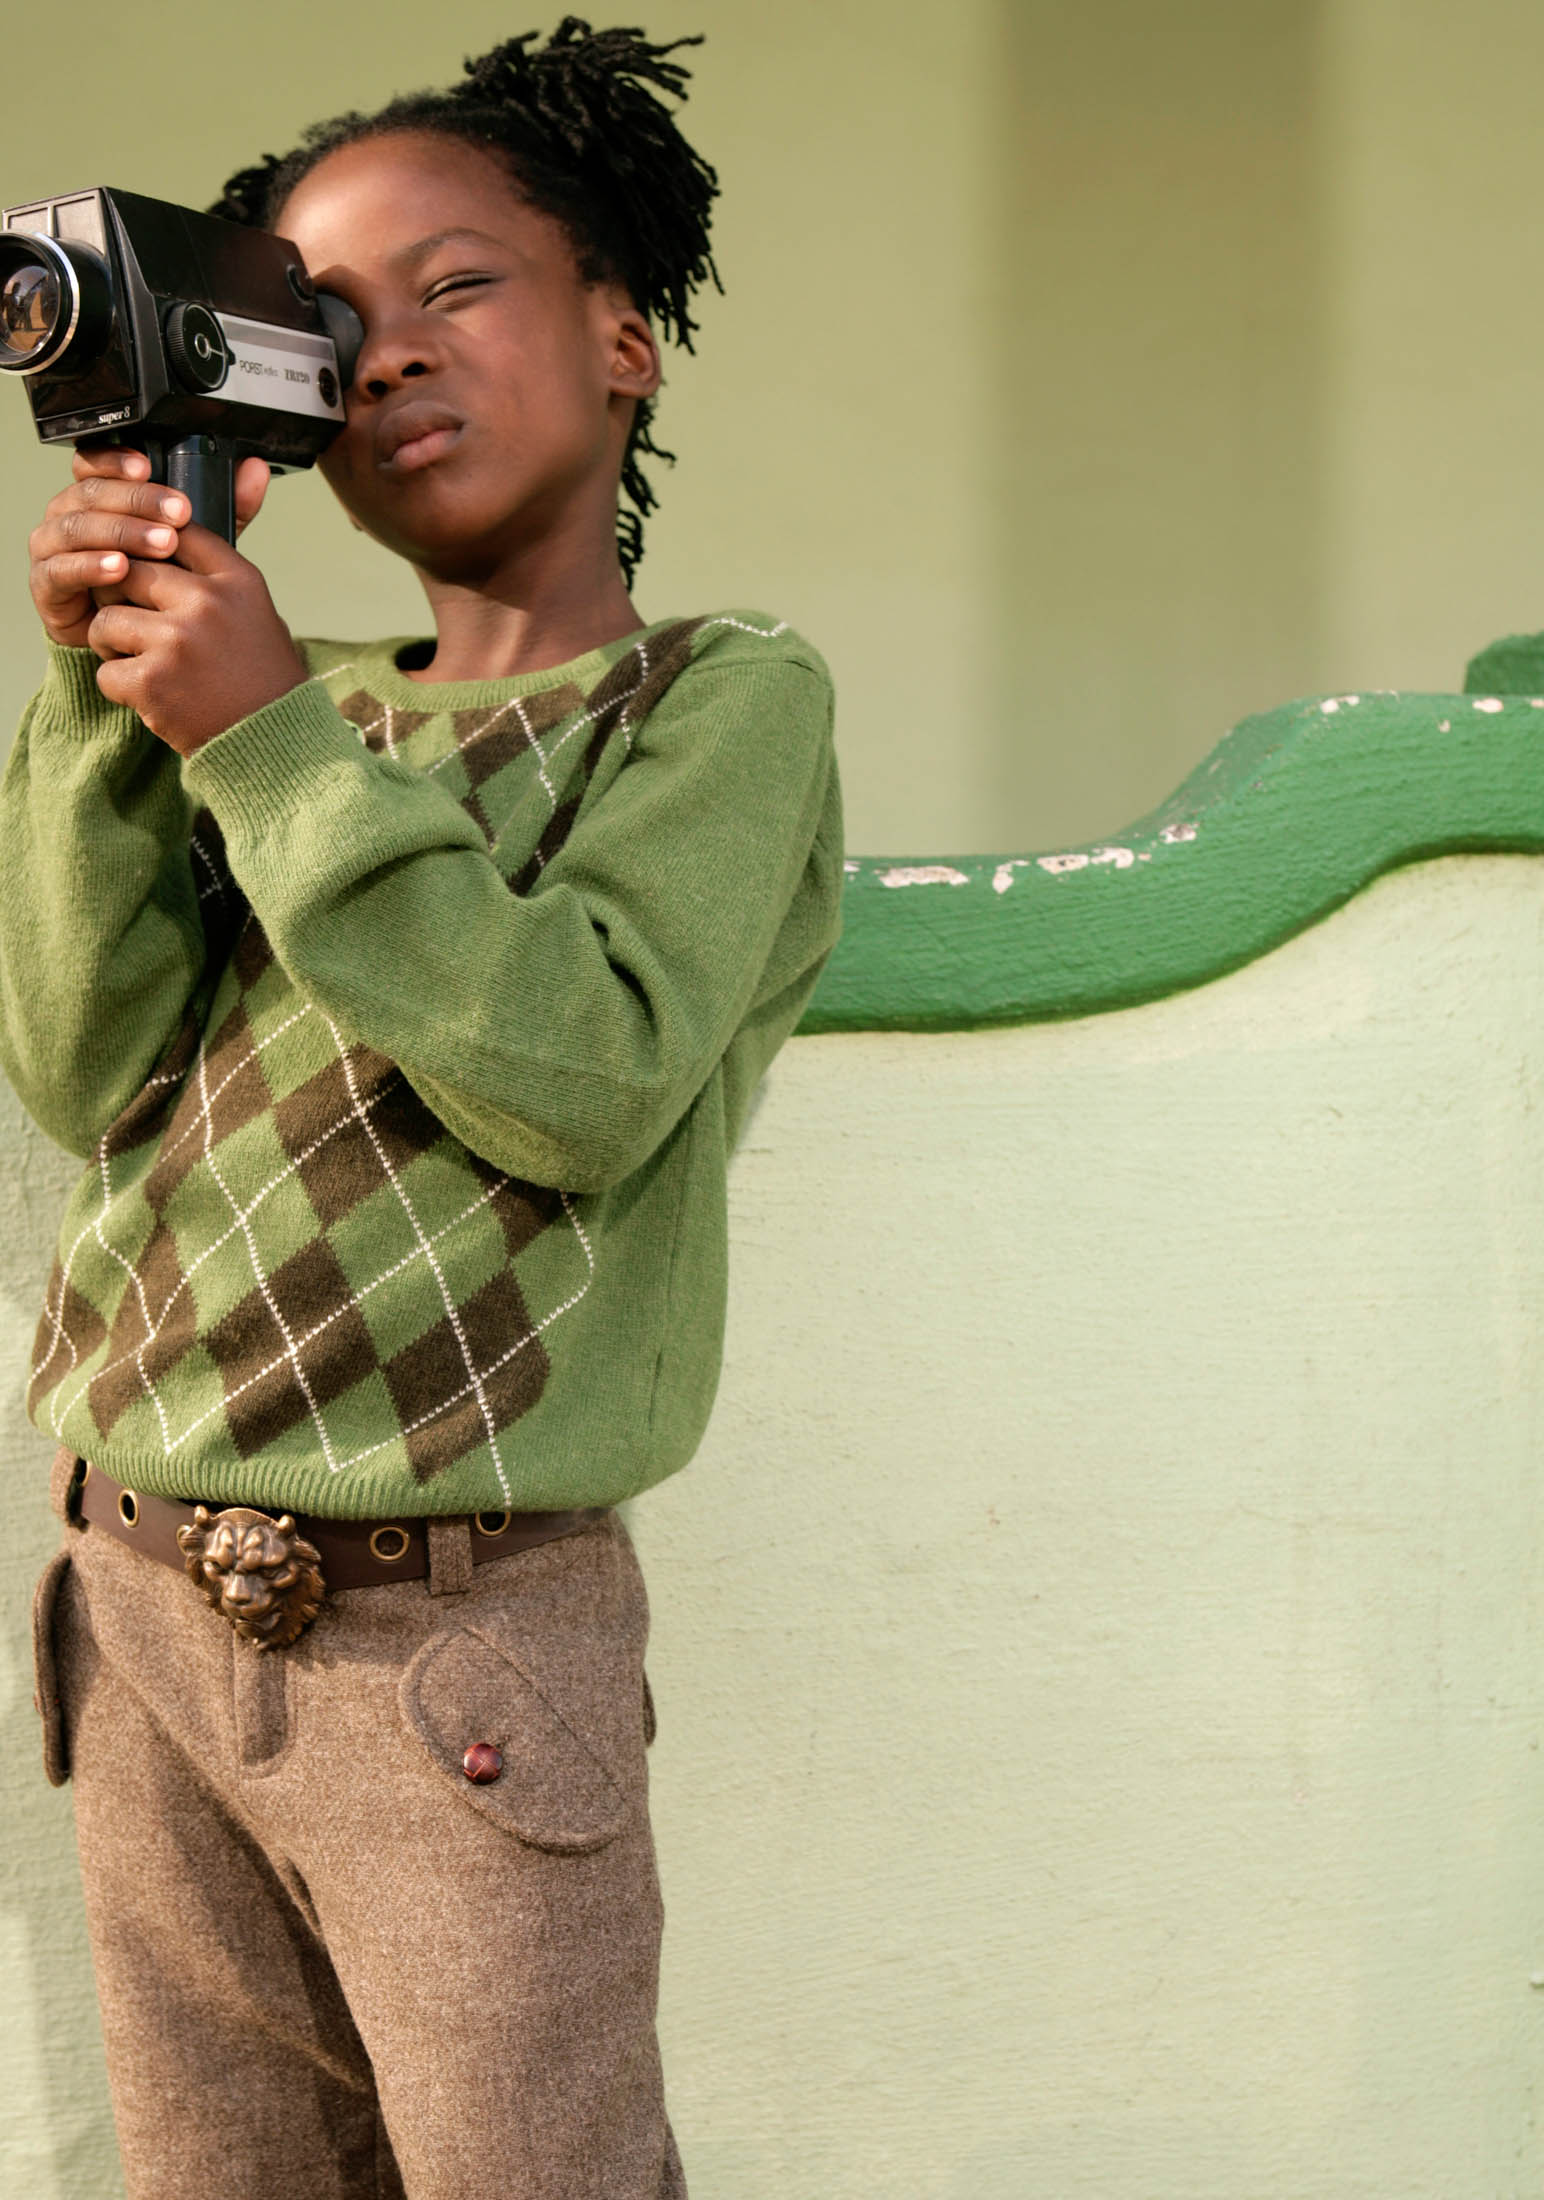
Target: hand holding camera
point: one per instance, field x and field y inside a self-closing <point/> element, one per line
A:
<point x="191" y="646"/>
<point x="204" y="351"/>
<point x="112" y="512"/>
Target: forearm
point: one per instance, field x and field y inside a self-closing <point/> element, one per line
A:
<point x="559" y="1033"/>
<point x="100" y="941"/>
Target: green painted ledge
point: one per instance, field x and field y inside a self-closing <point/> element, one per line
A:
<point x="1293" y="813"/>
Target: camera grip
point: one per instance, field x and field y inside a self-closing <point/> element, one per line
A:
<point x="203" y="467"/>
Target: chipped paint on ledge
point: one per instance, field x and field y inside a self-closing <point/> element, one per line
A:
<point x="1296" y="810"/>
<point x="922" y="874"/>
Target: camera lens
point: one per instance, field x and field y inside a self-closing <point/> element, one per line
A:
<point x="30" y="299"/>
<point x="56" y="302"/>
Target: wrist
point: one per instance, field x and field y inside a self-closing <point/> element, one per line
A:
<point x="196" y="735"/>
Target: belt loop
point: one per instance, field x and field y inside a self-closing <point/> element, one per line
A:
<point x="450" y="1555"/>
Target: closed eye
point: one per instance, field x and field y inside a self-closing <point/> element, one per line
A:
<point x="452" y="283"/>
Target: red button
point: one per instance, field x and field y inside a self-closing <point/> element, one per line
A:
<point x="483" y="1763"/>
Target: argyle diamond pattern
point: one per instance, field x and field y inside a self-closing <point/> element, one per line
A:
<point x="287" y="1235"/>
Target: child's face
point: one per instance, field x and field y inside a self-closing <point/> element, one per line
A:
<point x="491" y="402"/>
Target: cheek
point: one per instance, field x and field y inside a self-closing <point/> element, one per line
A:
<point x="335" y="465"/>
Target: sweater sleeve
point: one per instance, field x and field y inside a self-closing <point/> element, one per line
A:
<point x="559" y="1033"/>
<point x="101" y="946"/>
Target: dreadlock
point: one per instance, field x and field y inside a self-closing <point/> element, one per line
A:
<point x="584" y="140"/>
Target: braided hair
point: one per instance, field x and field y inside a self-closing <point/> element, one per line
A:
<point x="586" y="141"/>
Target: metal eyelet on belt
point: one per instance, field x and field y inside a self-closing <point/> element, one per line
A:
<point x="389" y="1557"/>
<point x="128" y="1508"/>
<point x="491" y="1523"/>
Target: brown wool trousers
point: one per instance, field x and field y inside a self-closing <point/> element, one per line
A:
<point x="329" y="1964"/>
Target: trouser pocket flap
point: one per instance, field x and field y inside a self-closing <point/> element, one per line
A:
<point x="550" y="1789"/>
<point x="45" y="1669"/>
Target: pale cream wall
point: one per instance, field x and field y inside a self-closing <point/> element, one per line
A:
<point x="1097" y="1647"/>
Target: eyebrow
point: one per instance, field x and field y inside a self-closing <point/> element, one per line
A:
<point x="412" y="255"/>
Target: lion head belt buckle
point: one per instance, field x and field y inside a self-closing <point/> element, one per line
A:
<point x="256" y="1572"/>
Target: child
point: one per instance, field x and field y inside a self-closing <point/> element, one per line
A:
<point x="407" y="999"/>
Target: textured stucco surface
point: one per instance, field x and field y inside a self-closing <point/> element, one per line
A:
<point x="1098" y="1646"/>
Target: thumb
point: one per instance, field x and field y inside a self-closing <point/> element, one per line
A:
<point x="252" y="479"/>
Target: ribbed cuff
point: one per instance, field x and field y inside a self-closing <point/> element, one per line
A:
<point x="78" y="705"/>
<point x="262" y="769"/>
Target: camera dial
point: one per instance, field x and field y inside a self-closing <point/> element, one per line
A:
<point x="197" y="347"/>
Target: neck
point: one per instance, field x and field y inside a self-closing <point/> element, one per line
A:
<point x="528" y="615"/>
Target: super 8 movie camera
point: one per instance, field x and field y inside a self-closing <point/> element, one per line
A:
<point x="196" y="340"/>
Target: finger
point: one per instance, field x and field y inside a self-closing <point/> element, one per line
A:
<point x="123" y="630"/>
<point x="62" y="579"/>
<point x="157" y="587"/>
<point x="119" y="679"/>
<point x="102" y="525"/>
<point x="201" y="550"/>
<point x="113" y="461"/>
<point x="252" y="479"/>
<point x="106" y="493"/>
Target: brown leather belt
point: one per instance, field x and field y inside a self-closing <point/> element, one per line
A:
<point x="355" y="1554"/>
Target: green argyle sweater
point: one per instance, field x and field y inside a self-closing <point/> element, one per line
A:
<point x="408" y="1030"/>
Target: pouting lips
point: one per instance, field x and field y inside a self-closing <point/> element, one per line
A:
<point x="416" y="422"/>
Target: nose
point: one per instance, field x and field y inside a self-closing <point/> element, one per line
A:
<point x="393" y="352"/>
<point x="382" y="384"/>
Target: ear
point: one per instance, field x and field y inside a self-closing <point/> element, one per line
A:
<point x="635" y="368"/>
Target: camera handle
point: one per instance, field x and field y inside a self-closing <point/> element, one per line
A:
<point x="203" y="467"/>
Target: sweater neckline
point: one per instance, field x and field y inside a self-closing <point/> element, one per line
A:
<point x="376" y="666"/>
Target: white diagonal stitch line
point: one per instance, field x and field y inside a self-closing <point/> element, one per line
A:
<point x="446" y="1300"/>
<point x="139" y="1292"/>
<point x="618" y="703"/>
<point x="363" y="1292"/>
<point x="624" y="723"/>
<point x="408" y="1260"/>
<point x="480" y="732"/>
<point x="192" y="1130"/>
<point x="762" y="633"/>
<point x="457" y="1396"/>
<point x="544" y="757"/>
<point x="219" y="880"/>
<point x="541" y="754"/>
<point x="364" y="732"/>
<point x="243" y="1216"/>
<point x="471" y="740"/>
<point x="503" y="1359"/>
<point x="583" y="718"/>
<point x="254" y="1049"/>
<point x="589" y="1254"/>
<point x="94" y="1226"/>
<point x="262" y="1281"/>
<point x="390" y="736"/>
